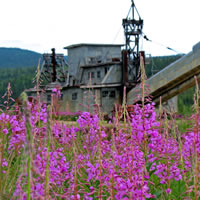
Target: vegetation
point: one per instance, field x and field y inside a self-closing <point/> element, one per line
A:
<point x="19" y="78"/>
<point x="146" y="156"/>
<point x="17" y="67"/>
<point x="186" y="101"/>
<point x="143" y="157"/>
<point x="155" y="64"/>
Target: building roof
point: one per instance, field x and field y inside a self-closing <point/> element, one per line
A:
<point x="92" y="44"/>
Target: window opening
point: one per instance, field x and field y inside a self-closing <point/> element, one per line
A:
<point x="48" y="98"/>
<point x="104" y="93"/>
<point x="98" y="74"/>
<point x="73" y="82"/>
<point x="112" y="94"/>
<point x="106" y="70"/>
<point x="74" y="96"/>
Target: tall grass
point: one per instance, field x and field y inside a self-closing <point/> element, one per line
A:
<point x="145" y="156"/>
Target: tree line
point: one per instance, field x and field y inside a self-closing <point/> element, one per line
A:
<point x="19" y="79"/>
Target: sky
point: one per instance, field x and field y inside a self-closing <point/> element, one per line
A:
<point x="40" y="25"/>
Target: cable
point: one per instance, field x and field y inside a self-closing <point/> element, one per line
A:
<point x="117" y="34"/>
<point x="169" y="48"/>
<point x="132" y="7"/>
<point x="153" y="68"/>
<point x="137" y="11"/>
<point x="129" y="12"/>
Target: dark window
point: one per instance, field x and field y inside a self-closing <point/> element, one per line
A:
<point x="88" y="75"/>
<point x="106" y="70"/>
<point x="74" y="96"/>
<point x="92" y="60"/>
<point x="73" y="82"/>
<point x="92" y="75"/>
<point x="48" y="98"/>
<point x="104" y="93"/>
<point x="112" y="94"/>
<point x="99" y="74"/>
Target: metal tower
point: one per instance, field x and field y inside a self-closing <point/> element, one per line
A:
<point x="54" y="69"/>
<point x="132" y="25"/>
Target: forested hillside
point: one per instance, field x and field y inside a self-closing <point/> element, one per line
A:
<point x="19" y="79"/>
<point x="155" y="64"/>
<point x="17" y="58"/>
<point x="17" y="67"/>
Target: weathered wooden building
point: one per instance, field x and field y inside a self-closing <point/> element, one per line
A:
<point x="93" y="77"/>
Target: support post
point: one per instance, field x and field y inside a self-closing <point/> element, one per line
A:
<point x="54" y="63"/>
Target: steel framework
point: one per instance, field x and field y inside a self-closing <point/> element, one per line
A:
<point x="54" y="68"/>
<point x="131" y="55"/>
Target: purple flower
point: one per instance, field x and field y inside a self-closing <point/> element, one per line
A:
<point x="57" y="91"/>
<point x="168" y="190"/>
<point x="5" y="131"/>
<point x="4" y="163"/>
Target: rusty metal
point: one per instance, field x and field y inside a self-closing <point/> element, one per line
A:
<point x="124" y="67"/>
<point x="54" y="64"/>
<point x="54" y="68"/>
<point x="142" y="62"/>
<point x="142" y="54"/>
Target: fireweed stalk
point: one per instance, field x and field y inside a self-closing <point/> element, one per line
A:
<point x="143" y="78"/>
<point x="49" y="124"/>
<point x="3" y="139"/>
<point x="29" y="152"/>
<point x="113" y="166"/>
<point x="38" y="99"/>
<point x="196" y="141"/>
<point x="75" y="170"/>
<point x="100" y="164"/>
<point x="168" y="191"/>
<point x="182" y="160"/>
